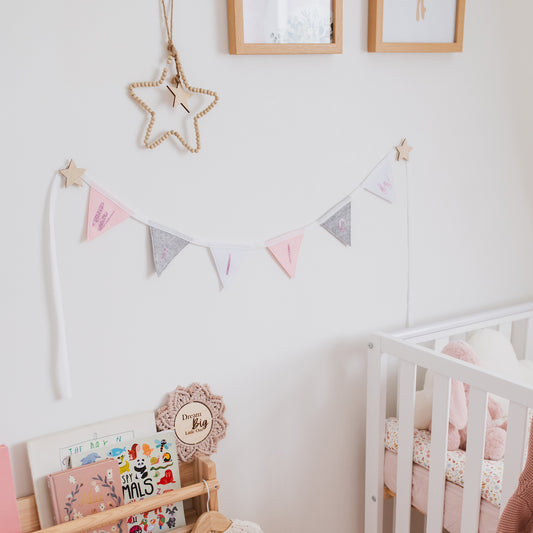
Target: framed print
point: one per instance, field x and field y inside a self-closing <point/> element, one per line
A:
<point x="416" y="25"/>
<point x="285" y="26"/>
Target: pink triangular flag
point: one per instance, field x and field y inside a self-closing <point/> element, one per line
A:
<point x="104" y="214"/>
<point x="285" y="250"/>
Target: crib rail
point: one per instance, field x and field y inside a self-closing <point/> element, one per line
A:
<point x="408" y="357"/>
<point x="446" y="328"/>
<point x="447" y="366"/>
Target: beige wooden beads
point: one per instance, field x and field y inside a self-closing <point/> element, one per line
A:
<point x="180" y="78"/>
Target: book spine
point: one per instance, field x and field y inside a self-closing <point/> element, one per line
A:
<point x="8" y="500"/>
<point x="53" y="498"/>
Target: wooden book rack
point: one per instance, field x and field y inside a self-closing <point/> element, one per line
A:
<point x="193" y="493"/>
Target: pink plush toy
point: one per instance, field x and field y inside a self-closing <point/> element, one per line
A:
<point x="495" y="432"/>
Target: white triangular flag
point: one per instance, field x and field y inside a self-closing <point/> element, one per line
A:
<point x="380" y="180"/>
<point x="227" y="261"/>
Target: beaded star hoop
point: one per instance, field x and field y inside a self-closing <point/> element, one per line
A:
<point x="183" y="80"/>
<point x="180" y="80"/>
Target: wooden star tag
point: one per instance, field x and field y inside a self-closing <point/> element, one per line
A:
<point x="403" y="150"/>
<point x="181" y="94"/>
<point x="73" y="174"/>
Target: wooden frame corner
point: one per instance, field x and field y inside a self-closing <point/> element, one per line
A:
<point x="375" y="33"/>
<point x="237" y="46"/>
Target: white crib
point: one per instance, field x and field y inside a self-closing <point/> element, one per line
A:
<point x="400" y="354"/>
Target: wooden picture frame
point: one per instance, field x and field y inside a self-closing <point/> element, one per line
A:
<point x="237" y="44"/>
<point x="375" y="31"/>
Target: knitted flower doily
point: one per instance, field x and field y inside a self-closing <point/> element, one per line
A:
<point x="197" y="417"/>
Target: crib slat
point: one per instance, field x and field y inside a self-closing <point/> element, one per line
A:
<point x="375" y="436"/>
<point x="522" y="338"/>
<point x="406" y="407"/>
<point x="441" y="343"/>
<point x="439" y="441"/>
<point x="519" y="338"/>
<point x="529" y="340"/>
<point x="477" y="417"/>
<point x="514" y="450"/>
<point x="506" y="329"/>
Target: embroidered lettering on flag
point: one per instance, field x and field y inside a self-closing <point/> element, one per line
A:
<point x="104" y="214"/>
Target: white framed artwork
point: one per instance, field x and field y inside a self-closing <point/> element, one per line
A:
<point x="285" y="26"/>
<point x="287" y="21"/>
<point x="416" y="25"/>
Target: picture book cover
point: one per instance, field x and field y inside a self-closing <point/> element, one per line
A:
<point x="148" y="466"/>
<point x="87" y="490"/>
<point x="51" y="453"/>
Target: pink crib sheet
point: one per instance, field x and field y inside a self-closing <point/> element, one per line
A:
<point x="453" y="498"/>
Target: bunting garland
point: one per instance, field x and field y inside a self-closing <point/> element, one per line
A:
<point x="105" y="213"/>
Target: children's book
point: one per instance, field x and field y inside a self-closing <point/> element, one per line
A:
<point x="148" y="467"/>
<point x="8" y="500"/>
<point x="52" y="453"/>
<point x="87" y="490"/>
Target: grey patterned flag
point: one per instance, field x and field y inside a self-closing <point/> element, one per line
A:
<point x="165" y="246"/>
<point x="340" y="224"/>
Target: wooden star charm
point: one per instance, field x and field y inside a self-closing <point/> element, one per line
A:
<point x="73" y="174"/>
<point x="181" y="95"/>
<point x="403" y="150"/>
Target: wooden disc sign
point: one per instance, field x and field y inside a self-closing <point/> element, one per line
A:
<point x="197" y="417"/>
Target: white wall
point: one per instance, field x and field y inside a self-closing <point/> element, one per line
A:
<point x="290" y="137"/>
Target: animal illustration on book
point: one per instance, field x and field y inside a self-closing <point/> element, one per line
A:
<point x="91" y="458"/>
<point x="133" y="451"/>
<point x="162" y="444"/>
<point x="172" y="516"/>
<point x="147" y="450"/>
<point x="115" y="452"/>
<point x="123" y="464"/>
<point x="140" y="468"/>
<point x="149" y="466"/>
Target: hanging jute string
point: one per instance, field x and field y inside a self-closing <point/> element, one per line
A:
<point x="170" y="39"/>
<point x="177" y="80"/>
